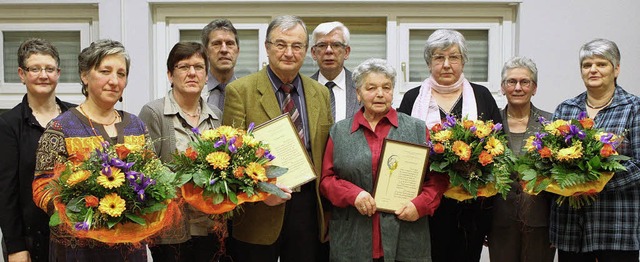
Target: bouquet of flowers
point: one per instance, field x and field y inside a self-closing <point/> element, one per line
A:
<point x="474" y="154"/>
<point x="224" y="167"/>
<point x="115" y="194"/>
<point x="571" y="159"/>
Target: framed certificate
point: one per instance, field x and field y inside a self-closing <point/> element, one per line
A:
<point x="286" y="146"/>
<point x="401" y="173"/>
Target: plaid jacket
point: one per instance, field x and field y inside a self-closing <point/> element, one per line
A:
<point x="612" y="222"/>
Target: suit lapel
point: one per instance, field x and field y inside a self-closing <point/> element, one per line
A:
<point x="352" y="99"/>
<point x="312" y="100"/>
<point x="267" y="97"/>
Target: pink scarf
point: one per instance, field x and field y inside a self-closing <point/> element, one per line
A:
<point x="426" y="108"/>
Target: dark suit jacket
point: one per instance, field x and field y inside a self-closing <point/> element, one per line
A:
<point x="251" y="99"/>
<point x="352" y="100"/>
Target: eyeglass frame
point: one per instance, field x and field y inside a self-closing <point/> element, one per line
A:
<point x="282" y="46"/>
<point x="514" y="83"/>
<point x="322" y="46"/>
<point x="199" y="68"/>
<point x="38" y="70"/>
<point x="436" y="57"/>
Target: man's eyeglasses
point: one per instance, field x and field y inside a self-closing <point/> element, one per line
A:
<point x="453" y="59"/>
<point x="282" y="46"/>
<point x="199" y="68"/>
<point x="334" y="46"/>
<point x="34" y="70"/>
<point x="513" y="82"/>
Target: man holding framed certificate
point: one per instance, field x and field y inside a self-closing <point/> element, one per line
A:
<point x="351" y="171"/>
<point x="289" y="229"/>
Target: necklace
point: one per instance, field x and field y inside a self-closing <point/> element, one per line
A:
<point x="91" y="122"/>
<point x="586" y="99"/>
<point x="196" y="114"/>
<point x="517" y="119"/>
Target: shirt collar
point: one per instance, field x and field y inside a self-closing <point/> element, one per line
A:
<point x="340" y="80"/>
<point x="171" y="107"/>
<point x="212" y="82"/>
<point x="27" y="112"/>
<point x="358" y="119"/>
<point x="276" y="82"/>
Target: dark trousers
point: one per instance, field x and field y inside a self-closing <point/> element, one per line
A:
<point x="458" y="230"/>
<point x="99" y="253"/>
<point x="517" y="242"/>
<point x="298" y="240"/>
<point x="196" y="249"/>
<point x="600" y="256"/>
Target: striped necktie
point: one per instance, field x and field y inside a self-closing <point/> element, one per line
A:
<point x="288" y="106"/>
<point x="331" y="85"/>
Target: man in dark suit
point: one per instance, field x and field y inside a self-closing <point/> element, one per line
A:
<point x="288" y="228"/>
<point x="330" y="49"/>
<point x="220" y="38"/>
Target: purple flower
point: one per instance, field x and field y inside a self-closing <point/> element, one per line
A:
<point x="222" y="141"/>
<point x="107" y="171"/>
<point x="497" y="127"/>
<point x="195" y="130"/>
<point x="451" y="121"/>
<point x="105" y="144"/>
<point x="268" y="155"/>
<point x="543" y="121"/>
<point x="473" y="129"/>
<point x="213" y="181"/>
<point x="251" y="126"/>
<point x="140" y="195"/>
<point x="232" y="146"/>
<point x="117" y="163"/>
<point x="574" y="131"/>
<point x="582" y="115"/>
<point x="82" y="226"/>
<point x="132" y="175"/>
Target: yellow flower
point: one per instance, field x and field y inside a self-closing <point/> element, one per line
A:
<point x="218" y="160"/>
<point x="256" y="172"/>
<point x="462" y="150"/>
<point x="78" y="177"/>
<point x="226" y="131"/>
<point x="494" y="146"/>
<point x="570" y="153"/>
<point x="114" y="181"/>
<point x="112" y="204"/>
<point x="482" y="130"/>
<point x="552" y="128"/>
<point x="209" y="134"/>
<point x="529" y="144"/>
<point x="250" y="140"/>
<point x="442" y="136"/>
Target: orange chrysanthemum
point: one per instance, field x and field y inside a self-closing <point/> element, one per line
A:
<point x="122" y="151"/>
<point x="191" y="154"/>
<point x="438" y="148"/>
<point x="587" y="123"/>
<point x="218" y="160"/>
<point x="485" y="158"/>
<point x="78" y="177"/>
<point x="467" y="124"/>
<point x="545" y="152"/>
<point x="91" y="201"/>
<point x="239" y="172"/>
<point x="462" y="150"/>
<point x="607" y="150"/>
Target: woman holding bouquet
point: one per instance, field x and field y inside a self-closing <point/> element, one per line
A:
<point x="24" y="226"/>
<point x="172" y="119"/>
<point x="609" y="228"/>
<point x="104" y="69"/>
<point x="520" y="228"/>
<point x="358" y="232"/>
<point x="458" y="229"/>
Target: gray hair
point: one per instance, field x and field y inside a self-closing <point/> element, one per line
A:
<point x="601" y="47"/>
<point x="286" y="22"/>
<point x="218" y="24"/>
<point x="92" y="56"/>
<point x="373" y="65"/>
<point x="328" y="27"/>
<point x="520" y="62"/>
<point x="36" y="46"/>
<point x="443" y="39"/>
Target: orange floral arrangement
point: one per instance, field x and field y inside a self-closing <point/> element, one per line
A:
<point x="570" y="159"/>
<point x="116" y="194"/>
<point x="224" y="167"/>
<point x="474" y="154"/>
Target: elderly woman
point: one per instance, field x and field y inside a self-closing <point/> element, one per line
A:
<point x="609" y="228"/>
<point x="172" y="118"/>
<point x="520" y="228"/>
<point x="458" y="230"/>
<point x="25" y="227"/>
<point x="358" y="232"/>
<point x="104" y="69"/>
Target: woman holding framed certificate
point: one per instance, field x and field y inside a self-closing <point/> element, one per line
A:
<point x="350" y="170"/>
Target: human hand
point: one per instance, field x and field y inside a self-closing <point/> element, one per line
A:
<point x="22" y="256"/>
<point x="408" y="212"/>
<point x="273" y="200"/>
<point x="365" y="204"/>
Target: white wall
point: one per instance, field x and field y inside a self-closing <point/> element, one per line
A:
<point x="552" y="31"/>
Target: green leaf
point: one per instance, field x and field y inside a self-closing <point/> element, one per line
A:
<point x="135" y="218"/>
<point x="594" y="162"/>
<point x="200" y="178"/>
<point x="217" y="198"/>
<point x="113" y="222"/>
<point x="75" y="204"/>
<point x="529" y="175"/>
<point x="154" y="208"/>
<point x="276" y="171"/>
<point x="182" y="178"/>
<point x="232" y="197"/>
<point x="272" y="189"/>
<point x="543" y="185"/>
<point x="55" y="219"/>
